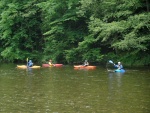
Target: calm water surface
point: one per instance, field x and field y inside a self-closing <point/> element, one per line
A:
<point x="65" y="90"/>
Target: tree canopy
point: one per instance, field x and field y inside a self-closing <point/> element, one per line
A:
<point x="70" y="31"/>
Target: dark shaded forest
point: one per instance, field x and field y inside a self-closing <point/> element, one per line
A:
<point x="70" y="31"/>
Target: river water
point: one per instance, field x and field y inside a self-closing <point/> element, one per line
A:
<point x="65" y="90"/>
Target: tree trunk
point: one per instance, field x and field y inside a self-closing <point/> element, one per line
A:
<point x="147" y="4"/>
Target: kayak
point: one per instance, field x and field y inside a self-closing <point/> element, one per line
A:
<point x="84" y="67"/>
<point x="25" y="67"/>
<point x="120" y="70"/>
<point x="58" y="65"/>
<point x="55" y="65"/>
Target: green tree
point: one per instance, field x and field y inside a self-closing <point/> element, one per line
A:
<point x="20" y="30"/>
<point x="62" y="28"/>
<point x="122" y="27"/>
<point x="74" y="30"/>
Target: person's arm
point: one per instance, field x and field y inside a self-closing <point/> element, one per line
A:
<point x="50" y="63"/>
<point x="84" y="64"/>
<point x="121" y="67"/>
<point x="115" y="65"/>
<point x="87" y="63"/>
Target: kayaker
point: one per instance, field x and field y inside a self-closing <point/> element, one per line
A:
<point x="50" y="63"/>
<point x="86" y="63"/>
<point x="119" y="65"/>
<point x="30" y="63"/>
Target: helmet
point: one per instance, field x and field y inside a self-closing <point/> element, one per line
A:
<point x="119" y="62"/>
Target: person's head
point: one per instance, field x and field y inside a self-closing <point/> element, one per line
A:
<point x="50" y="60"/>
<point x="85" y="60"/>
<point x="119" y="63"/>
<point x="30" y="60"/>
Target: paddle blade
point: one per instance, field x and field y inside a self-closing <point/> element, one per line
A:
<point x="27" y="59"/>
<point x="110" y="61"/>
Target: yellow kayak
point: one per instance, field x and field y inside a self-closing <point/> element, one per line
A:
<point x="25" y="67"/>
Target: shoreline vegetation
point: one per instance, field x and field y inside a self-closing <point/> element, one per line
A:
<point x="73" y="31"/>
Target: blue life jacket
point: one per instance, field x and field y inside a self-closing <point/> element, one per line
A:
<point x="119" y="66"/>
<point x="30" y="64"/>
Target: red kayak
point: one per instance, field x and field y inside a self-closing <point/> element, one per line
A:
<point x="55" y="65"/>
<point x="84" y="67"/>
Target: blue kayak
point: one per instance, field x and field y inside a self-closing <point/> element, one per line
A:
<point x="120" y="70"/>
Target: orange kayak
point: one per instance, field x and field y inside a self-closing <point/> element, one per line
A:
<point x="25" y="67"/>
<point x="55" y="65"/>
<point x="84" y="67"/>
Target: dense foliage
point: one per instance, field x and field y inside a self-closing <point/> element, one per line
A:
<point x="70" y="31"/>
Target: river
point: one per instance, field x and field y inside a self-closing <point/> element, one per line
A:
<point x="65" y="90"/>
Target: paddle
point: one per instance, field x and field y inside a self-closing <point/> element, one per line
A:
<point x="110" y="61"/>
<point x="27" y="62"/>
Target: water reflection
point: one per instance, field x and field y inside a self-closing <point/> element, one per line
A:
<point x="115" y="78"/>
<point x="29" y="80"/>
<point x="115" y="89"/>
<point x="29" y="71"/>
<point x="65" y="90"/>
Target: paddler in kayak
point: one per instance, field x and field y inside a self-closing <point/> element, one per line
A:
<point x="50" y="63"/>
<point x="30" y="63"/>
<point x="86" y="63"/>
<point x="119" y="66"/>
